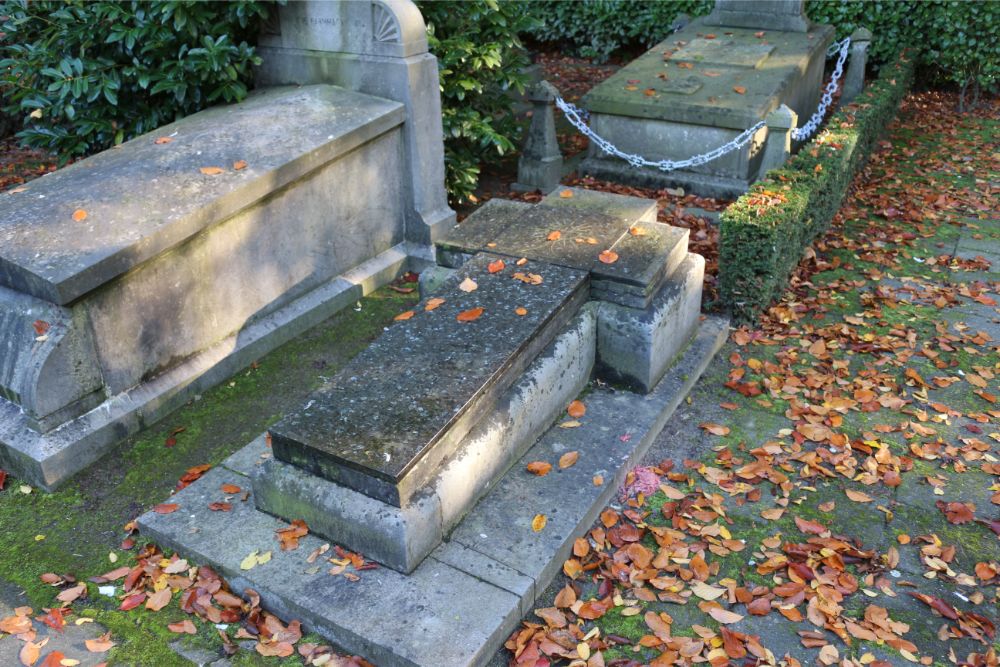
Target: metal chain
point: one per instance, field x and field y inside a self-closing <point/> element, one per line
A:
<point x="806" y="131"/>
<point x="578" y="117"/>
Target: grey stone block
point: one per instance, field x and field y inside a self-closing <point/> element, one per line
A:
<point x="760" y="14"/>
<point x="491" y="571"/>
<point x="433" y="278"/>
<point x="249" y="457"/>
<point x="635" y="346"/>
<point x="442" y="376"/>
<point x="629" y="210"/>
<point x="647" y="255"/>
<point x="402" y="537"/>
<point x="483" y="226"/>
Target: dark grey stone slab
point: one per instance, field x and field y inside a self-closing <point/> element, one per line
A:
<point x="438" y="615"/>
<point x="647" y="255"/>
<point x="629" y="209"/>
<point x="384" y="421"/>
<point x="491" y="571"/>
<point x="582" y="235"/>
<point x="474" y="233"/>
<point x="144" y="198"/>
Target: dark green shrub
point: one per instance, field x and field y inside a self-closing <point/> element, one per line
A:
<point x="597" y="28"/>
<point x="764" y="233"/>
<point x="480" y="60"/>
<point x="86" y="75"/>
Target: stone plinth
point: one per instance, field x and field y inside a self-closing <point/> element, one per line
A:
<point x="697" y="90"/>
<point x="175" y="277"/>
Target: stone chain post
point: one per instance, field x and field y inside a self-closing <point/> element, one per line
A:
<point x="540" y="165"/>
<point x="778" y="145"/>
<point x="854" y="81"/>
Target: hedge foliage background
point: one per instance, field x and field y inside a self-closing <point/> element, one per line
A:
<point x="83" y="75"/>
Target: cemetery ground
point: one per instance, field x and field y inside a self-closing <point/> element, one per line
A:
<point x="829" y="492"/>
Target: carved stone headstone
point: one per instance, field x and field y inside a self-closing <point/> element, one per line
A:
<point x="787" y="15"/>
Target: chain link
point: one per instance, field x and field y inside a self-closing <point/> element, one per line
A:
<point x="806" y="131"/>
<point x="578" y="118"/>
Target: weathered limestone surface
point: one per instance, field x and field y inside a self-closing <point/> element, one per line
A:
<point x="701" y="88"/>
<point x="787" y="15"/>
<point x="378" y="48"/>
<point x="390" y="417"/>
<point x="175" y="276"/>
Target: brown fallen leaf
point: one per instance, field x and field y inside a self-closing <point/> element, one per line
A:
<point x="608" y="257"/>
<point x="576" y="409"/>
<point x="521" y="311"/>
<point x="724" y="616"/>
<point x="289" y="537"/>
<point x="158" y="600"/>
<point x="566" y="194"/>
<point x="858" y="496"/>
<point x="496" y="266"/>
<point x="468" y="285"/>
<point x="183" y="627"/>
<point x="163" y="140"/>
<point x="211" y="171"/>
<point x="100" y="644"/>
<point x="540" y="468"/>
<point x="71" y="594"/>
<point x="433" y="303"/>
<point x="405" y="315"/>
<point x="714" y="429"/>
<point x="28" y="655"/>
<point x="739" y="90"/>
<point x="957" y="513"/>
<point x="230" y="489"/>
<point x="166" y="508"/>
<point x="220" y="506"/>
<point x="240" y="164"/>
<point x="554" y="235"/>
<point x="470" y="315"/>
<point x="538" y="523"/>
<point x="773" y="513"/>
<point x="568" y="459"/>
<point x="79" y="215"/>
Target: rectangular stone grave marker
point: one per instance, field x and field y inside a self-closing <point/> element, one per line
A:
<point x="723" y="50"/>
<point x="385" y="421"/>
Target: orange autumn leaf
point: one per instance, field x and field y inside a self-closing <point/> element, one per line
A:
<point x="566" y="194"/>
<point x="496" y="266"/>
<point x="29" y="653"/>
<point x="521" y="311"/>
<point x="79" y="215"/>
<point x="289" y="537"/>
<point x="470" y="315"/>
<point x="568" y="459"/>
<point x="714" y="429"/>
<point x="99" y="644"/>
<point x="739" y="90"/>
<point x="230" y="489"/>
<point x="211" y="171"/>
<point x="538" y="523"/>
<point x="240" y="164"/>
<point x="183" y="627"/>
<point x="649" y="92"/>
<point x="163" y="140"/>
<point x="405" y="315"/>
<point x="576" y="409"/>
<point x="554" y="235"/>
<point x="858" y="496"/>
<point x="608" y="257"/>
<point x="540" y="468"/>
<point x="166" y="508"/>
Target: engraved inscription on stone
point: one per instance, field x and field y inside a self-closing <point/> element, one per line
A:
<point x="723" y="52"/>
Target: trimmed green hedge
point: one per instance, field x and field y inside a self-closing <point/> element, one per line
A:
<point x="764" y="233"/>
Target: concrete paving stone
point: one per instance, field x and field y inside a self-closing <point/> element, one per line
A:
<point x="483" y="226"/>
<point x="616" y="430"/>
<point x="435" y="616"/>
<point x="493" y="572"/>
<point x="427" y="381"/>
<point x="647" y="256"/>
<point x="251" y="456"/>
<point x="624" y="207"/>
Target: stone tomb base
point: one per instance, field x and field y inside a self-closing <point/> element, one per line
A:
<point x="697" y="90"/>
<point x="196" y="255"/>
<point x="414" y="453"/>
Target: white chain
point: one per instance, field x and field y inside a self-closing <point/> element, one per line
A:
<point x="806" y="131"/>
<point x="578" y="117"/>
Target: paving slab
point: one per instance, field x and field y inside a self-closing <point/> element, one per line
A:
<point x="428" y="380"/>
<point x="471" y="235"/>
<point x="69" y="641"/>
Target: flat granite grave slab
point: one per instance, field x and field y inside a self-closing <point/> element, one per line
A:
<point x="385" y="421"/>
<point x="465" y="599"/>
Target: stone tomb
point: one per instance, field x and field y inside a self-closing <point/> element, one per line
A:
<point x="414" y="453"/>
<point x="702" y="87"/>
<point x="135" y="278"/>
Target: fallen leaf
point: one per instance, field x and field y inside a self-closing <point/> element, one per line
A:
<point x="957" y="513"/>
<point x="55" y="659"/>
<point x="576" y="409"/>
<point x="470" y="315"/>
<point x="538" y="523"/>
<point x="554" y="236"/>
<point x="158" y="600"/>
<point x="211" y="171"/>
<point x="41" y="328"/>
<point x="166" y="508"/>
<point x="858" y="496"/>
<point x="724" y="616"/>
<point x="163" y="140"/>
<point x="405" y="315"/>
<point x="714" y="429"/>
<point x="540" y="468"/>
<point x="571" y="423"/>
<point x="240" y="164"/>
<point x="568" y="459"/>
<point x="608" y="256"/>
<point x="705" y="591"/>
<point x="230" y="489"/>
<point x="773" y="513"/>
<point x="79" y="215"/>
<point x="183" y="627"/>
<point x="100" y="644"/>
<point x="496" y="266"/>
<point x="521" y="311"/>
<point x="28" y="655"/>
<point x="566" y="194"/>
<point x="220" y="506"/>
<point x="433" y="303"/>
<point x="289" y="537"/>
<point x="468" y="285"/>
<point x="739" y="90"/>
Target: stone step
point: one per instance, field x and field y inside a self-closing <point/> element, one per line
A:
<point x="462" y="601"/>
<point x="386" y="421"/>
